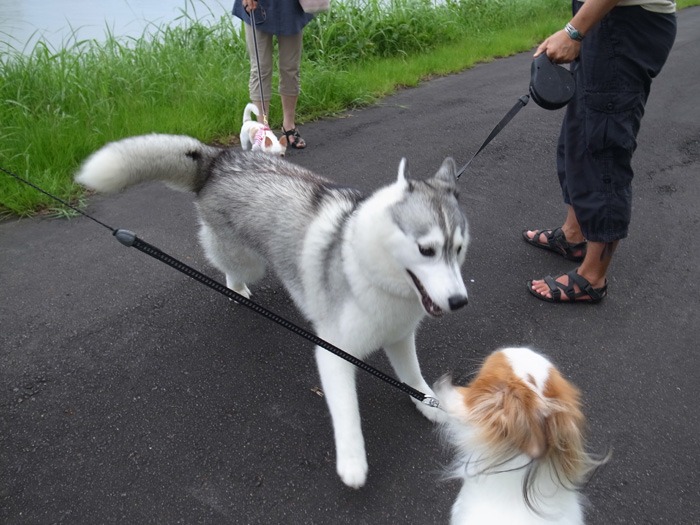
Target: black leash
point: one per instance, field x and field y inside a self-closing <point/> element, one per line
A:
<point x="551" y="87"/>
<point x="128" y="238"/>
<point x="257" y="62"/>
<point x="521" y="103"/>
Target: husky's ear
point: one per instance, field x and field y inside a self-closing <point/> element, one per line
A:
<point x="403" y="170"/>
<point x="402" y="180"/>
<point x="448" y="172"/>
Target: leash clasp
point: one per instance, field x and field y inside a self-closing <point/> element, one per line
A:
<point x="431" y="402"/>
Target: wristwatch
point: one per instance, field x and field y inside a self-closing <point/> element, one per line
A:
<point x="573" y="33"/>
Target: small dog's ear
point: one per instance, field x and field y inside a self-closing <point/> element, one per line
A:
<point x="283" y="141"/>
<point x="565" y="427"/>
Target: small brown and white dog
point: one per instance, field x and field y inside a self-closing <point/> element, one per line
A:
<point x="519" y="434"/>
<point x="257" y="136"/>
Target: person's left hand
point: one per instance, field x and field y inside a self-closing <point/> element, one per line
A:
<point x="250" y="5"/>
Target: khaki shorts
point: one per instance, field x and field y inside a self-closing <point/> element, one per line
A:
<point x="289" y="63"/>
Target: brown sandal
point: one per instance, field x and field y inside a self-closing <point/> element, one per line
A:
<point x="299" y="143"/>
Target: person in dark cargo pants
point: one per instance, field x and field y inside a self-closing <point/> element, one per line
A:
<point x="615" y="49"/>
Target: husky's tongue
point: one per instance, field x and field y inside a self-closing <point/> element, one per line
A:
<point x="428" y="303"/>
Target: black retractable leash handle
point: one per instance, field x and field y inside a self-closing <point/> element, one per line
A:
<point x="551" y="87"/>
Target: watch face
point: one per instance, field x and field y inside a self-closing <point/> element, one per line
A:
<point x="573" y="33"/>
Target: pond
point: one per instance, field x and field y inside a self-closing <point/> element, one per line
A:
<point x="24" y="22"/>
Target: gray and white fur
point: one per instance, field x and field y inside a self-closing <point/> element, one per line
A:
<point x="364" y="270"/>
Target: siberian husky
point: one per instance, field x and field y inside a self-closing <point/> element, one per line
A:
<point x="364" y="270"/>
<point x="258" y="136"/>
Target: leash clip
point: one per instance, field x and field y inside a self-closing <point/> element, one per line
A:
<point x="431" y="402"/>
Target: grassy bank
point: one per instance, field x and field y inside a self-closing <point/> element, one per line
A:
<point x="57" y="106"/>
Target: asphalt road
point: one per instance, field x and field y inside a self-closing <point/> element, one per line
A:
<point x="130" y="394"/>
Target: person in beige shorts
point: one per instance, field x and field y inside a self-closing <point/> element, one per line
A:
<point x="285" y="20"/>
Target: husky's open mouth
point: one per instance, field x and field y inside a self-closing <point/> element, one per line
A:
<point x="428" y="303"/>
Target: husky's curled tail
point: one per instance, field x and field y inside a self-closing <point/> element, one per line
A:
<point x="177" y="160"/>
<point x="364" y="270"/>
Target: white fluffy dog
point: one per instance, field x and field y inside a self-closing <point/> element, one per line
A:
<point x="257" y="136"/>
<point x="519" y="434"/>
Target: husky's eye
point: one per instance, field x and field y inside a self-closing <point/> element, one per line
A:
<point x="459" y="249"/>
<point x="426" y="251"/>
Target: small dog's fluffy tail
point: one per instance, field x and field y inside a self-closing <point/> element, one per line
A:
<point x="250" y="108"/>
<point x="177" y="160"/>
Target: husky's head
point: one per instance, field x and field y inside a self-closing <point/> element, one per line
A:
<point x="430" y="236"/>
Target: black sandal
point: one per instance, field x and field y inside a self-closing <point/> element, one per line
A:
<point x="557" y="243"/>
<point x="299" y="143"/>
<point x="594" y="295"/>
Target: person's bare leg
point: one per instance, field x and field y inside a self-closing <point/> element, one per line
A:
<point x="289" y="109"/>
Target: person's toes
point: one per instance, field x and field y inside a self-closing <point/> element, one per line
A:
<point x="540" y="287"/>
<point x="531" y="235"/>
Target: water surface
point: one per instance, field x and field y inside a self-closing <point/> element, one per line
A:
<point x="57" y="22"/>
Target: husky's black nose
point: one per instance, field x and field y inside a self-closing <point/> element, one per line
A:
<point x="457" y="301"/>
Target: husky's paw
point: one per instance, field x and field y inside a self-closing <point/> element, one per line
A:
<point x="242" y="290"/>
<point x="237" y="286"/>
<point x="353" y="471"/>
<point x="434" y="414"/>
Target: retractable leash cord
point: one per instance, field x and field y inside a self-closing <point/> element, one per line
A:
<point x="551" y="87"/>
<point x="128" y="238"/>
<point x="521" y="103"/>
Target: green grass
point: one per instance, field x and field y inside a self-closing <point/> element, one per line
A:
<point x="57" y="106"/>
